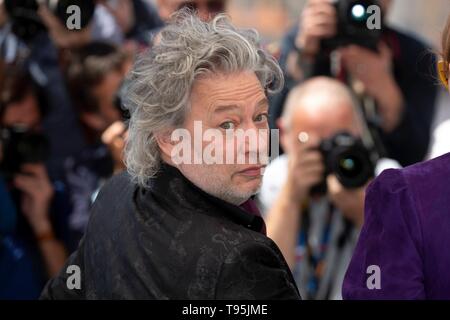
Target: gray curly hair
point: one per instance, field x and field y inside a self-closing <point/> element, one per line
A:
<point x="158" y="88"/>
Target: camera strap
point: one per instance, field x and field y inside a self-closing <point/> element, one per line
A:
<point x="315" y="254"/>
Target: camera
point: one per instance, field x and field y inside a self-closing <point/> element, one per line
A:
<point x="352" y="26"/>
<point x="118" y="103"/>
<point x="348" y="159"/>
<point x="26" y="23"/>
<point x="19" y="146"/>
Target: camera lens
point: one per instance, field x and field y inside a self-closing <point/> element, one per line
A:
<point x="358" y="12"/>
<point x="348" y="159"/>
<point x="353" y="167"/>
<point x="350" y="166"/>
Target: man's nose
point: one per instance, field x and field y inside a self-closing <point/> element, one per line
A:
<point x="256" y="133"/>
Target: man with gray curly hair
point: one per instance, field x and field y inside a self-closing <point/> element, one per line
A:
<point x="181" y="224"/>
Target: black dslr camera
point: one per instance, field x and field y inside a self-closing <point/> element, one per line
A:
<point x="20" y="146"/>
<point x="26" y="23"/>
<point x="348" y="159"/>
<point x="352" y="25"/>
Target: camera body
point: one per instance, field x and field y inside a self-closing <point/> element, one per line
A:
<point x="20" y="146"/>
<point x="118" y="103"/>
<point x="352" y="16"/>
<point x="26" y="23"/>
<point x="348" y="159"/>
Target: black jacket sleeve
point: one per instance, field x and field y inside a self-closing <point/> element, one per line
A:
<point x="254" y="270"/>
<point x="58" y="289"/>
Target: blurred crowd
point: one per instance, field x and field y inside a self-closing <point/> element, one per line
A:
<point x="63" y="128"/>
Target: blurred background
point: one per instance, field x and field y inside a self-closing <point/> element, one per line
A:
<point x="274" y="17"/>
<point x="63" y="125"/>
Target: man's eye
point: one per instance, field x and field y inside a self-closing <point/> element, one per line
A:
<point x="227" y="125"/>
<point x="262" y="117"/>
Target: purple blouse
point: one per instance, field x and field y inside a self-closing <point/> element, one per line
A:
<point x="403" y="251"/>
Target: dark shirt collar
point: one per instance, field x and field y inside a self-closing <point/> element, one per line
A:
<point x="171" y="186"/>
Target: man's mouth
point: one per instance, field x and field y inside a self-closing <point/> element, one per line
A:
<point x="253" y="171"/>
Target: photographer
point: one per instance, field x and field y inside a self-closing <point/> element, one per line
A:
<point x="31" y="245"/>
<point x="396" y="75"/>
<point x="29" y="39"/>
<point x="94" y="77"/>
<point x="316" y="231"/>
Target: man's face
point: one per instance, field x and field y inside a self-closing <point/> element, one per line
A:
<point x="322" y="117"/>
<point x="24" y="113"/>
<point x="238" y="102"/>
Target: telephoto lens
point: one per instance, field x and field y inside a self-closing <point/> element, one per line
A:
<point x="348" y="159"/>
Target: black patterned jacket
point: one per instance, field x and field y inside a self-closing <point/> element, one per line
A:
<point x="172" y="241"/>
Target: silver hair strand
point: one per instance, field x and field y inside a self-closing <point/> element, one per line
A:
<point x="158" y="88"/>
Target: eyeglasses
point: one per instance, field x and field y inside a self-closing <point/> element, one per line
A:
<point x="213" y="6"/>
<point x="443" y="71"/>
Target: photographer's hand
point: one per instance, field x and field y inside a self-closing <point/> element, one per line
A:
<point x="60" y="34"/>
<point x="37" y="194"/>
<point x="318" y="21"/>
<point x="375" y="73"/>
<point x="349" y="201"/>
<point x="305" y="169"/>
<point x="114" y="138"/>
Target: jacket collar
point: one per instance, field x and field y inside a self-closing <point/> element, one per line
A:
<point x="172" y="187"/>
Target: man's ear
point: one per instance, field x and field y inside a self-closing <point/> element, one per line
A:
<point x="165" y="143"/>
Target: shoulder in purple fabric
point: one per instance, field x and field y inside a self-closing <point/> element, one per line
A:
<point x="403" y="249"/>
